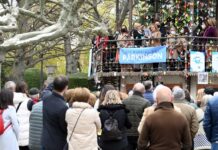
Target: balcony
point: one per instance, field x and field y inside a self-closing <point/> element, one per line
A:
<point x="105" y="56"/>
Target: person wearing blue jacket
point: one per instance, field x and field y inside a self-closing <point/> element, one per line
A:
<point x="211" y="122"/>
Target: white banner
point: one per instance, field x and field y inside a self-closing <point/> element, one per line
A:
<point x="203" y="78"/>
<point x="197" y="61"/>
<point x="214" y="61"/>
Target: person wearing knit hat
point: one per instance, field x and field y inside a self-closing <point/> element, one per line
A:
<point x="34" y="95"/>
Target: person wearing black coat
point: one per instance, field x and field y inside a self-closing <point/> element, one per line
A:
<point x="113" y="105"/>
<point x="54" y="109"/>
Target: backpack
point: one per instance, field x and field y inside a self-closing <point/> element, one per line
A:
<point x="2" y="128"/>
<point x="110" y="131"/>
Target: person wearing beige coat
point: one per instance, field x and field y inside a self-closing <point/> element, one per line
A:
<point x="84" y="136"/>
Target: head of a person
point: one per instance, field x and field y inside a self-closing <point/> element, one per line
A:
<point x="178" y="94"/>
<point x="34" y="93"/>
<point x="104" y="90"/>
<point x="124" y="29"/>
<point x="92" y="99"/>
<point x="137" y="26"/>
<point x="211" y="22"/>
<point x="6" y="98"/>
<point x="148" y="85"/>
<point x="200" y="94"/>
<point x="69" y="95"/>
<point x="139" y="87"/>
<point x="209" y="90"/>
<point x="11" y="85"/>
<point x="172" y="31"/>
<point x="21" y="87"/>
<point x="164" y="94"/>
<point x="60" y="84"/>
<point x="153" y="27"/>
<point x="112" y="97"/>
<point x="155" y="91"/>
<point x="204" y="101"/>
<point x="79" y="95"/>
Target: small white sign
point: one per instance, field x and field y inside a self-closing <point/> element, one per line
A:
<point x="203" y="78"/>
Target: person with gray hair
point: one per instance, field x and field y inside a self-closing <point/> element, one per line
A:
<point x="165" y="128"/>
<point x="136" y="104"/>
<point x="149" y="91"/>
<point x="187" y="110"/>
<point x="11" y="85"/>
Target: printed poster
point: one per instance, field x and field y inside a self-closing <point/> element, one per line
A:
<point x="197" y="61"/>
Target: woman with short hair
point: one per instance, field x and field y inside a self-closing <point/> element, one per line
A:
<point x="9" y="139"/>
<point x="83" y="121"/>
<point x="112" y="107"/>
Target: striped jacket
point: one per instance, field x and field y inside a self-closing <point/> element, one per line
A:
<point x="36" y="126"/>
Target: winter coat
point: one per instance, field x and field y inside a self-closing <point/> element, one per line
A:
<point x="36" y="125"/>
<point x="9" y="139"/>
<point x="54" y="126"/>
<point x="148" y="111"/>
<point x="190" y="114"/>
<point x="211" y="120"/>
<point x="120" y="114"/>
<point x="18" y="97"/>
<point x="84" y="136"/>
<point x="136" y="105"/>
<point x="23" y="115"/>
<point x="200" y="140"/>
<point x="165" y="129"/>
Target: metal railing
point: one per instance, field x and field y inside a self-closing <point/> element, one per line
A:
<point x="105" y="54"/>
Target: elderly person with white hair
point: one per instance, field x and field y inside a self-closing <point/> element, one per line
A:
<point x="188" y="111"/>
<point x="18" y="97"/>
<point x="200" y="140"/>
<point x="136" y="104"/>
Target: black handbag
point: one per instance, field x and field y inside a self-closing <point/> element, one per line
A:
<point x="66" y="147"/>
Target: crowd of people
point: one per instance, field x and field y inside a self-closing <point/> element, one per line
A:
<point x="153" y="118"/>
<point x="157" y="34"/>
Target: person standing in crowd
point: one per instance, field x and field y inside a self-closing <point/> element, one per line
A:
<point x="188" y="111"/>
<point x="123" y="36"/>
<point x="112" y="111"/>
<point x="136" y="104"/>
<point x="200" y="94"/>
<point x="34" y="98"/>
<point x="211" y="30"/>
<point x="47" y="90"/>
<point x="200" y="140"/>
<point x="155" y="33"/>
<point x="9" y="139"/>
<point x="23" y="115"/>
<point x="165" y="129"/>
<point x="92" y="99"/>
<point x="103" y="92"/>
<point x="149" y="91"/>
<point x="36" y="125"/>
<point x="83" y="122"/>
<point x="137" y="34"/>
<point x="210" y="122"/>
<point x="54" y="109"/>
<point x="18" y="97"/>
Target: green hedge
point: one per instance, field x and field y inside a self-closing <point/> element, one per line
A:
<point x="32" y="77"/>
<point x="80" y="80"/>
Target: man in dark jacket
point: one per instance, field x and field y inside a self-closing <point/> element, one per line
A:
<point x="211" y="122"/>
<point x="165" y="129"/>
<point x="136" y="104"/>
<point x="54" y="109"/>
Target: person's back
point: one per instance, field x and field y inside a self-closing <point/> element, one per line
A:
<point x="211" y="122"/>
<point x="166" y="130"/>
<point x="54" y="109"/>
<point x="54" y="125"/>
<point x="36" y="125"/>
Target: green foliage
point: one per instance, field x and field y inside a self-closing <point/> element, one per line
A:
<point x="32" y="77"/>
<point x="80" y="80"/>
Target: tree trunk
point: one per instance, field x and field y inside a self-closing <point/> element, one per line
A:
<point x="117" y="15"/>
<point x="68" y="57"/>
<point x="130" y="14"/>
<point x="19" y="66"/>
